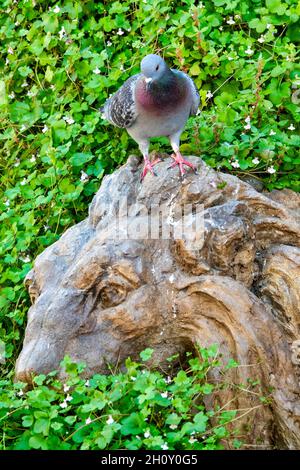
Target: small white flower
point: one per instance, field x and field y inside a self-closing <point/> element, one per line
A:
<point x="109" y="43"/>
<point x="291" y="127"/>
<point x="17" y="23"/>
<point x="33" y="159"/>
<point x="84" y="176"/>
<point x="17" y="163"/>
<point x="235" y="164"/>
<point x="271" y="170"/>
<point x="22" y="128"/>
<point x="255" y="161"/>
<point x="201" y="5"/>
<point x="64" y="404"/>
<point x="110" y="420"/>
<point x="173" y="426"/>
<point x="165" y="446"/>
<point x="147" y="434"/>
<point x="192" y="440"/>
<point x="24" y="84"/>
<point x="66" y="388"/>
<point x="52" y="87"/>
<point x="122" y="68"/>
<point x="69" y="398"/>
<point x="247" y="119"/>
<point x="164" y="395"/>
<point x="10" y="50"/>
<point x="11" y="95"/>
<point x="247" y="126"/>
<point x="261" y="39"/>
<point x="7" y="203"/>
<point x="237" y="17"/>
<point x="120" y="32"/>
<point x="88" y="420"/>
<point x="133" y="378"/>
<point x="230" y="58"/>
<point x="269" y="26"/>
<point x="96" y="71"/>
<point x="272" y="132"/>
<point x="221" y="28"/>
<point x="46" y="227"/>
<point x="20" y="393"/>
<point x="68" y="120"/>
<point x="62" y="33"/>
<point x="87" y="383"/>
<point x="23" y="182"/>
<point x="56" y="9"/>
<point x="25" y="259"/>
<point x="209" y="94"/>
<point x="230" y="21"/>
<point x="45" y="128"/>
<point x="249" y="51"/>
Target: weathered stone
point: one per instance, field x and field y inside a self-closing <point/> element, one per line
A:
<point x="100" y="299"/>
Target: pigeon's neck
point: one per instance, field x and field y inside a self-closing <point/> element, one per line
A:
<point x="161" y="94"/>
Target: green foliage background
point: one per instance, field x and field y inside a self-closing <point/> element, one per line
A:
<point x="137" y="408"/>
<point x="59" y="61"/>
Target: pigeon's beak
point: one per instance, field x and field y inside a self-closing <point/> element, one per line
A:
<point x="148" y="81"/>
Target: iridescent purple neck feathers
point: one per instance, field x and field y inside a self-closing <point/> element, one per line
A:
<point x="161" y="95"/>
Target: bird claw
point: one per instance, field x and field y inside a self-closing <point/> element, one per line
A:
<point x="180" y="161"/>
<point x="148" y="167"/>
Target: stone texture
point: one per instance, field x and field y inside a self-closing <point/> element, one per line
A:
<point x="101" y="299"/>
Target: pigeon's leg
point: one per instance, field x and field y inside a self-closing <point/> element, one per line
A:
<point x="148" y="166"/>
<point x="178" y="158"/>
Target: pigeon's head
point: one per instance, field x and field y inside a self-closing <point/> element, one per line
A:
<point x="153" y="68"/>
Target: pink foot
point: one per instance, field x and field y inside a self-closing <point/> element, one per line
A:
<point x="180" y="161"/>
<point x="148" y="166"/>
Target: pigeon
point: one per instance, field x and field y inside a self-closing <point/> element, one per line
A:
<point x="153" y="103"/>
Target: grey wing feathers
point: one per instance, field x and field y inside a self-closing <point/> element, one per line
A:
<point x="195" y="95"/>
<point x="120" y="108"/>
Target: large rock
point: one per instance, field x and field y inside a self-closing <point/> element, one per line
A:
<point x="105" y="290"/>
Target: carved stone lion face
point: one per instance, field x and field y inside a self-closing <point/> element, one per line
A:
<point x="97" y="302"/>
<point x="101" y="298"/>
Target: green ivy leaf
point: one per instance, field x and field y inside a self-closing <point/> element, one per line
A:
<point x="133" y="424"/>
<point x="146" y="354"/>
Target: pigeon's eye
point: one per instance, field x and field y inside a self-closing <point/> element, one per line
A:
<point x="157" y="67"/>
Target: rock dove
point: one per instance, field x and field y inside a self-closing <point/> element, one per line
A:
<point x="155" y="102"/>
